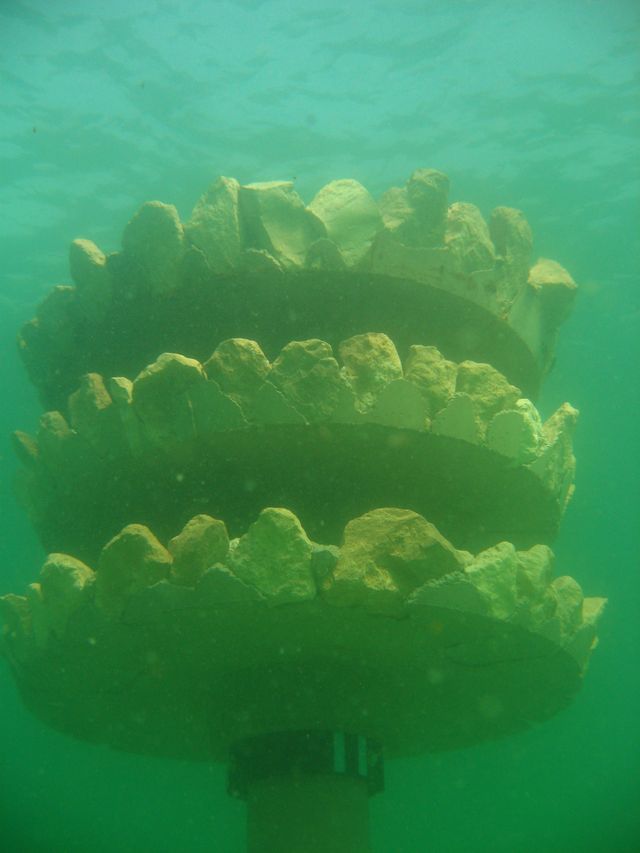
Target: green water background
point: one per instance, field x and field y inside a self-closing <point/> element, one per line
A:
<point x="533" y="105"/>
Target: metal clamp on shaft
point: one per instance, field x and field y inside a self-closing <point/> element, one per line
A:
<point x="303" y="753"/>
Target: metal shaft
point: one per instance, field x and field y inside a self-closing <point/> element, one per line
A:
<point x="307" y="791"/>
<point x="308" y="814"/>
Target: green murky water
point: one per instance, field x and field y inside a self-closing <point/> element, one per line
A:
<point x="529" y="105"/>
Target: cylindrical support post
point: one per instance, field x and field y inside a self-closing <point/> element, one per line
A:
<point x="306" y="792"/>
<point x="310" y="814"/>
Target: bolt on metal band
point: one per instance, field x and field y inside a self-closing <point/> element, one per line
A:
<point x="304" y="753"/>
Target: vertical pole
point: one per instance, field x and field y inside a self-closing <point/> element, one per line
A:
<point x="306" y="791"/>
<point x="308" y="814"/>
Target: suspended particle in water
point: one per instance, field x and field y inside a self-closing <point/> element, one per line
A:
<point x="490" y="707"/>
<point x="435" y="676"/>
